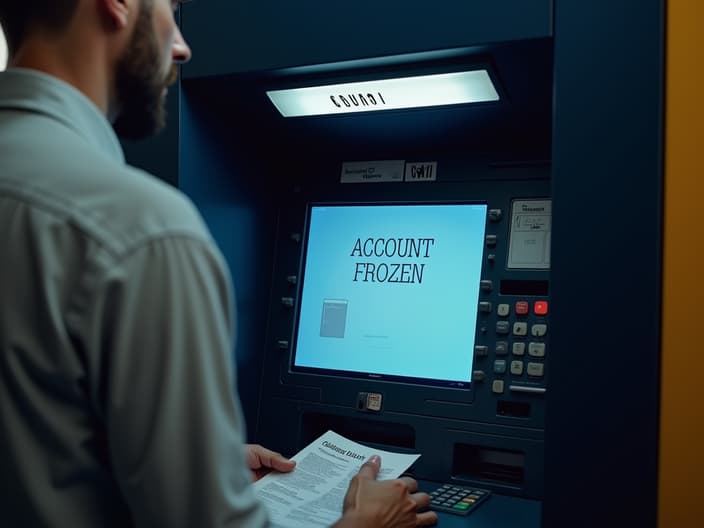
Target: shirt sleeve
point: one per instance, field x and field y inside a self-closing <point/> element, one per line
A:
<point x="164" y="386"/>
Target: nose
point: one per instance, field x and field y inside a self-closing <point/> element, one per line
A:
<point x="180" y="51"/>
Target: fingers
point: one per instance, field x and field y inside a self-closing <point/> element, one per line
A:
<point x="428" y="518"/>
<point x="422" y="500"/>
<point x="370" y="469"/>
<point x="278" y="462"/>
<point x="350" y="499"/>
<point x="411" y="484"/>
<point x="259" y="456"/>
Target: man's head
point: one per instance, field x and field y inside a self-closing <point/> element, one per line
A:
<point x="139" y="40"/>
<point x="146" y="69"/>
<point x="18" y="18"/>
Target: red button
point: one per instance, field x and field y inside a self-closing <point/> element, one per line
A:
<point x="521" y="308"/>
<point x="540" y="308"/>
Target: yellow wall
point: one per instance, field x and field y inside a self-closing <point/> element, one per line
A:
<point x="681" y="474"/>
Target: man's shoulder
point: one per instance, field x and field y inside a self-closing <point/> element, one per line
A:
<point x="118" y="205"/>
<point x="138" y="206"/>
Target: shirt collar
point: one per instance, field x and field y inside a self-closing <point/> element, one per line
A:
<point x="34" y="91"/>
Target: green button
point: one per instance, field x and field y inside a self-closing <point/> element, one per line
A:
<point x="461" y="506"/>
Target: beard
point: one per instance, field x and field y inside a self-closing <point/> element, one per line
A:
<point x="141" y="83"/>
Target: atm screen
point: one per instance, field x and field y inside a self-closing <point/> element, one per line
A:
<point x="390" y="292"/>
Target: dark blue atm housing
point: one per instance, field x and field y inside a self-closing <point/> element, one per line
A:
<point x="562" y="407"/>
<point x="488" y="432"/>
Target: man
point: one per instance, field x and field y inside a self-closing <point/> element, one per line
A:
<point x="116" y="405"/>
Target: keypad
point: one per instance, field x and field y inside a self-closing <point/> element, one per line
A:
<point x="538" y="330"/>
<point x="521" y="308"/>
<point x="500" y="366"/>
<point x="520" y="328"/>
<point x="517" y="355"/>
<point x="458" y="500"/>
<point x="536" y="350"/>
<point x="536" y="369"/>
<point x="519" y="348"/>
<point x="516" y="368"/>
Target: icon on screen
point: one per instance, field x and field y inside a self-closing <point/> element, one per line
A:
<point x="334" y="318"/>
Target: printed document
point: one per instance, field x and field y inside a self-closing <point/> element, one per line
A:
<point x="312" y="494"/>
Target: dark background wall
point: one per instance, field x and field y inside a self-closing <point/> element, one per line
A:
<point x="235" y="36"/>
<point x="159" y="155"/>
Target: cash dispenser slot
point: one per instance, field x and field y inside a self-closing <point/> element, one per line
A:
<point x="392" y="435"/>
<point x="475" y="462"/>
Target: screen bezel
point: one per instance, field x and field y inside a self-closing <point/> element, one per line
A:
<point x="370" y="376"/>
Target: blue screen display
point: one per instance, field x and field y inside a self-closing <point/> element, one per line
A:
<point x="391" y="291"/>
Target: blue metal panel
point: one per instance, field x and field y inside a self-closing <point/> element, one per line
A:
<point x="234" y="37"/>
<point x="234" y="203"/>
<point x="602" y="424"/>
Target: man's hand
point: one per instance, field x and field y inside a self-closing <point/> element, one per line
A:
<point x="388" y="503"/>
<point x="262" y="460"/>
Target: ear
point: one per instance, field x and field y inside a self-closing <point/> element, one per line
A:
<point x="117" y="11"/>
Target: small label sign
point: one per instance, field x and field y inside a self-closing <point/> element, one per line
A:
<point x="372" y="171"/>
<point x="531" y="228"/>
<point x="422" y="171"/>
<point x="374" y="401"/>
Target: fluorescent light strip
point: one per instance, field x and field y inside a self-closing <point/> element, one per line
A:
<point x="388" y="94"/>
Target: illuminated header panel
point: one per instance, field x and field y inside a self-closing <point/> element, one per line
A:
<point x="387" y="94"/>
<point x="390" y="292"/>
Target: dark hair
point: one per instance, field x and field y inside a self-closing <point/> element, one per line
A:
<point x="17" y="17"/>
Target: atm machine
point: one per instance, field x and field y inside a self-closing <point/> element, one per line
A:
<point x="474" y="281"/>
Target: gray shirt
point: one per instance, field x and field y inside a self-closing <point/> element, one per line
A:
<point x="117" y="403"/>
